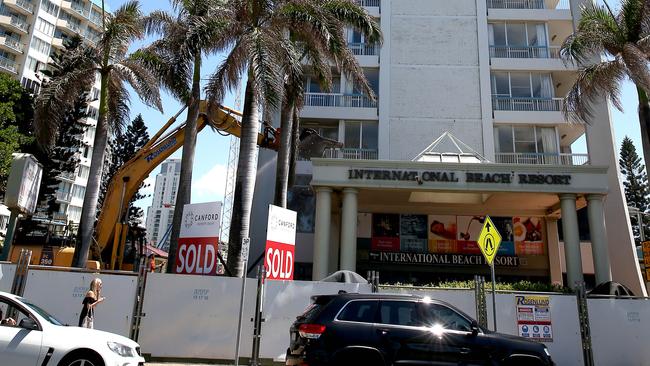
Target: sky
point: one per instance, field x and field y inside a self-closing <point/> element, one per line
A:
<point x="209" y="178"/>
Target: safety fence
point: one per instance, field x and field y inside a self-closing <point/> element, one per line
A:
<point x="196" y="317"/>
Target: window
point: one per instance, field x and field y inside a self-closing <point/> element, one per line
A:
<point x="526" y="139"/>
<point x="448" y="318"/>
<point x="78" y="191"/>
<point x="398" y="313"/>
<point x="522" y="85"/>
<point x="10" y="315"/>
<point x="518" y="40"/>
<point x="89" y="135"/>
<point x="361" y="135"/>
<point x="45" y="26"/>
<point x="74" y="214"/>
<point x="40" y="46"/>
<point x="93" y="112"/>
<point x="313" y="86"/>
<point x="359" y="311"/>
<point x="50" y="7"/>
<point x="83" y="172"/>
<point x="95" y="94"/>
<point x="88" y="151"/>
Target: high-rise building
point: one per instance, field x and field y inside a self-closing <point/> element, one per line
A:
<point x="161" y="212"/>
<point x="468" y="122"/>
<point x="30" y="31"/>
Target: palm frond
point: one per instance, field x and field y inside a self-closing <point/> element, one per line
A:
<point x="117" y="103"/>
<point x="227" y="76"/>
<point x="174" y="74"/>
<point x="141" y="79"/>
<point x="356" y="17"/>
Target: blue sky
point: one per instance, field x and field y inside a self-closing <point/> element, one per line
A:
<point x="212" y="149"/>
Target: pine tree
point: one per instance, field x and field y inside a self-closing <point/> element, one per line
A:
<point x="122" y="147"/>
<point x="636" y="185"/>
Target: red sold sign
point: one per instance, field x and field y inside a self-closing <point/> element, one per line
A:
<point x="197" y="256"/>
<point x="280" y="244"/>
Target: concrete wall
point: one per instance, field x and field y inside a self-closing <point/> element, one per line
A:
<point x="433" y="76"/>
<point x="7" y="271"/>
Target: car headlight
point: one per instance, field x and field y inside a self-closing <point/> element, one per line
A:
<point x="121" y="349"/>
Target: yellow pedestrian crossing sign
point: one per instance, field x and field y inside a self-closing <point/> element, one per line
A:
<point x="489" y="240"/>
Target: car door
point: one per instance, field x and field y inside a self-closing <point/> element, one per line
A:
<point x="454" y="342"/>
<point x="18" y="346"/>
<point x="353" y="325"/>
<point x="402" y="336"/>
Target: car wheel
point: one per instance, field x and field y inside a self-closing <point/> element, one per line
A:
<point x="82" y="359"/>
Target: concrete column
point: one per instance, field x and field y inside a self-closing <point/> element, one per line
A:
<point x="322" y="220"/>
<point x="598" y="234"/>
<point x="553" y="244"/>
<point x="349" y="230"/>
<point x="571" y="239"/>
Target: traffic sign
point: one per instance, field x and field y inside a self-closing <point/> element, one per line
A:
<point x="489" y="240"/>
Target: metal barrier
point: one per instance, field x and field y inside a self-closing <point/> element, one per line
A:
<point x="542" y="158"/>
<point x="503" y="51"/>
<point x="338" y="100"/>
<point x="527" y="104"/>
<point x="351" y="154"/>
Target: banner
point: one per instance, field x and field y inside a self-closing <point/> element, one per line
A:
<point x="385" y="232"/>
<point x="198" y="242"/>
<point x="413" y="233"/>
<point x="528" y="235"/>
<point x="280" y="243"/>
<point x="534" y="317"/>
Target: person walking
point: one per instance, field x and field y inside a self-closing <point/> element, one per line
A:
<point x="91" y="300"/>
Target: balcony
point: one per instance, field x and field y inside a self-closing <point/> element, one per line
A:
<point x="363" y="49"/>
<point x="542" y="159"/>
<point x="11" y="44"/>
<point x="8" y="65"/>
<point x="18" y="24"/>
<point x="96" y="22"/>
<point x="64" y="196"/>
<point x="75" y="8"/>
<point x="525" y="52"/>
<point x="69" y="26"/>
<point x="57" y="42"/>
<point x="527" y="104"/>
<point x="372" y="6"/>
<point x="338" y="100"/>
<point x="351" y="154"/>
<point x="70" y="176"/>
<point x="528" y="4"/>
<point x="23" y="6"/>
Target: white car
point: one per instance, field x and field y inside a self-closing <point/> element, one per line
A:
<point x="38" y="339"/>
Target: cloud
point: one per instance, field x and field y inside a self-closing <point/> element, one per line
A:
<point x="210" y="186"/>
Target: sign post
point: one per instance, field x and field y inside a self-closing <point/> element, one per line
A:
<point x="245" y="247"/>
<point x="646" y="259"/>
<point x="489" y="241"/>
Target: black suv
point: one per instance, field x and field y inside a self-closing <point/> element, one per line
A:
<point x="381" y="329"/>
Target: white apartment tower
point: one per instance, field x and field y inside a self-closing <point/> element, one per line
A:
<point x="468" y="122"/>
<point x="30" y="31"/>
<point x="161" y="212"/>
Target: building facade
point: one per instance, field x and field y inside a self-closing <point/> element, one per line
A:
<point x="161" y="212"/>
<point x="468" y="122"/>
<point x="30" y="31"/>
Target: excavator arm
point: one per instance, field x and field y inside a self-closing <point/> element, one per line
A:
<point x="111" y="228"/>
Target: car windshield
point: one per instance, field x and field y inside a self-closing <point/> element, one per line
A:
<point x="42" y="313"/>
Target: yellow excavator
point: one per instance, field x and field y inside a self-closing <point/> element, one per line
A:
<point x="111" y="230"/>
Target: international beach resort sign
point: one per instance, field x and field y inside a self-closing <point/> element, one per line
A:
<point x="456" y="177"/>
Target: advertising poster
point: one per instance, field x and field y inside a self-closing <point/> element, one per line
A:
<point x="469" y="228"/>
<point x="442" y="233"/>
<point x="198" y="241"/>
<point x="534" y="317"/>
<point x="413" y="233"/>
<point x="364" y="225"/>
<point x="280" y="243"/>
<point x="385" y="232"/>
<point x="528" y="236"/>
<point x="505" y="228"/>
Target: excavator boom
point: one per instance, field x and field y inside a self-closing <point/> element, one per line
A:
<point x="111" y="230"/>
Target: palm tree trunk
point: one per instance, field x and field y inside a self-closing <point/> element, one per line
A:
<point x="245" y="181"/>
<point x="184" y="195"/>
<point x="284" y="155"/>
<point x="644" y="123"/>
<point x="89" y="209"/>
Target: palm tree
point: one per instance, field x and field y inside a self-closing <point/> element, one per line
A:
<point x="609" y="48"/>
<point x="115" y="68"/>
<point x="262" y="41"/>
<point x="176" y="59"/>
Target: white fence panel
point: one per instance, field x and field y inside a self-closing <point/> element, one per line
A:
<point x="620" y="329"/>
<point x="567" y="344"/>
<point x="61" y="294"/>
<point x="284" y="301"/>
<point x="195" y="316"/>
<point x="462" y="299"/>
<point x="7" y="271"/>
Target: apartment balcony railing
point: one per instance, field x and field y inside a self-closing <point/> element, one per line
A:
<point x="80" y="9"/>
<point x="68" y="176"/>
<point x="363" y="49"/>
<point x="338" y="100"/>
<point x="524" y="52"/>
<point x="542" y="159"/>
<point x="528" y="4"/>
<point x="351" y="154"/>
<point x="97" y="20"/>
<point x="12" y="43"/>
<point x="369" y="3"/>
<point x="24" y="5"/>
<point x="8" y="64"/>
<point x="64" y="196"/>
<point x="526" y="104"/>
